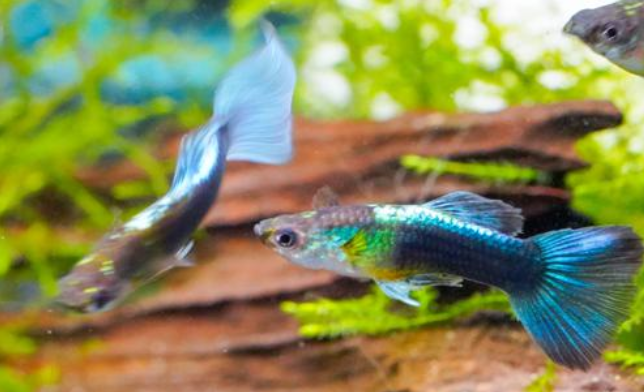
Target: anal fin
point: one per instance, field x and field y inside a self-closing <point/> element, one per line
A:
<point x="399" y="290"/>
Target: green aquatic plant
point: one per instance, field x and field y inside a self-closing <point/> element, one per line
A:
<point x="14" y="381"/>
<point x="373" y="314"/>
<point x="484" y="171"/>
<point x="546" y="381"/>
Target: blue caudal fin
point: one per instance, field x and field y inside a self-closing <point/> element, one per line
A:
<point x="254" y="102"/>
<point x="584" y="292"/>
<point x="253" y="106"/>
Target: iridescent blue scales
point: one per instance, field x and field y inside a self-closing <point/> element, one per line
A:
<point x="569" y="288"/>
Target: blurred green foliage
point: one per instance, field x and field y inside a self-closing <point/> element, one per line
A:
<point x="484" y="171"/>
<point x="14" y="381"/>
<point x="629" y="359"/>
<point x="545" y="382"/>
<point x="411" y="55"/>
<point x="14" y="345"/>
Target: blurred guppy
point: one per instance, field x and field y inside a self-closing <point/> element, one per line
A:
<point x="569" y="288"/>
<point x="614" y="31"/>
<point x="252" y="122"/>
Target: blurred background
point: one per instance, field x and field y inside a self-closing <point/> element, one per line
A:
<point x="87" y="85"/>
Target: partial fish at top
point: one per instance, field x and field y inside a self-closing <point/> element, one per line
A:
<point x="252" y="122"/>
<point x="615" y="31"/>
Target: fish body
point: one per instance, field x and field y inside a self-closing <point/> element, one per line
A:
<point x="252" y="123"/>
<point x="570" y="288"/>
<point x="615" y="31"/>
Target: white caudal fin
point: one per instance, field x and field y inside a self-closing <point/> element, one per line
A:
<point x="254" y="103"/>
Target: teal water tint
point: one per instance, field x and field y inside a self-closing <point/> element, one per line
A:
<point x="171" y="70"/>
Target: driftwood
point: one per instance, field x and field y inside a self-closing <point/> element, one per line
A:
<point x="217" y="326"/>
<point x="360" y="158"/>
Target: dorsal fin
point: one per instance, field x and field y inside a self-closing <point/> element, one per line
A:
<point x="325" y="197"/>
<point x="481" y="211"/>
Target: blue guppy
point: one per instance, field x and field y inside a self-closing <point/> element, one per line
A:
<point x="252" y="122"/>
<point x="569" y="288"/>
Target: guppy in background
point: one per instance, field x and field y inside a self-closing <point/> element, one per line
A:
<point x="614" y="31"/>
<point x="252" y="122"/>
<point x="569" y="288"/>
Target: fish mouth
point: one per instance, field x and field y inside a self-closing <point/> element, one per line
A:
<point x="65" y="307"/>
<point x="575" y="29"/>
<point x="569" y="27"/>
<point x="579" y="24"/>
<point x="262" y="233"/>
<point x="62" y="303"/>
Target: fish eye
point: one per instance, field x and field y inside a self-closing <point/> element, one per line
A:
<point x="610" y="32"/>
<point x="286" y="238"/>
<point x="101" y="299"/>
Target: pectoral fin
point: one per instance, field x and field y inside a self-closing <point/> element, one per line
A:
<point x="183" y="262"/>
<point x="185" y="251"/>
<point x="356" y="246"/>
<point x="181" y="259"/>
<point x="399" y="290"/>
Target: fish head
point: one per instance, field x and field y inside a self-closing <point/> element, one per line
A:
<point x="316" y="239"/>
<point x="613" y="31"/>
<point x="92" y="286"/>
